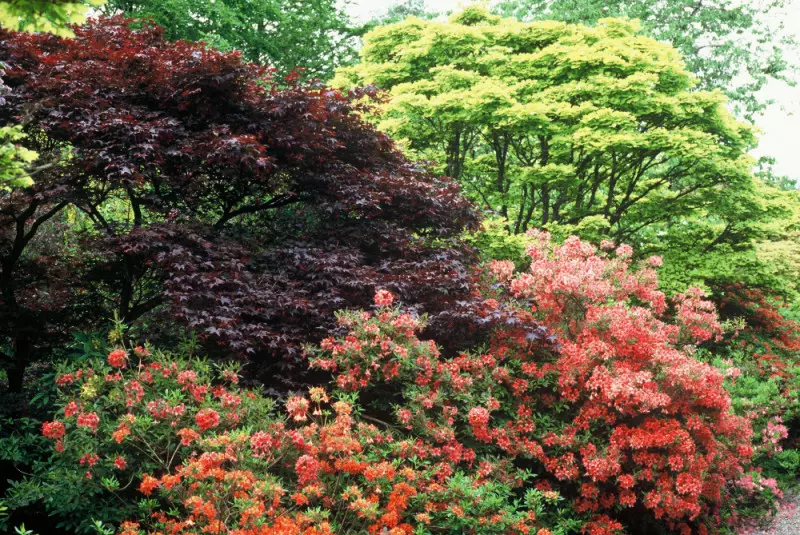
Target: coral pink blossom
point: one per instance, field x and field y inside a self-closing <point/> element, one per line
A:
<point x="89" y="420"/>
<point x="53" y="430"/>
<point x="383" y="298"/>
<point x="207" y="419"/>
<point x="118" y="358"/>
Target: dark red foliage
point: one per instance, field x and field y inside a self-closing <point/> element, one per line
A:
<point x="765" y="323"/>
<point x="772" y="339"/>
<point x="253" y="211"/>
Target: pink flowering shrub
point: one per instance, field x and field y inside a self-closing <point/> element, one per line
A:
<point x="617" y="415"/>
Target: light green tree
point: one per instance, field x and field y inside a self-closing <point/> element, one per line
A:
<point x="594" y="130"/>
<point x="735" y="46"/>
<point x="52" y="16"/>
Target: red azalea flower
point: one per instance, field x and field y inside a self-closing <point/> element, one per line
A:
<point x="383" y="298"/>
<point x="53" y="430"/>
<point x="206" y="419"/>
<point x="118" y="358"/>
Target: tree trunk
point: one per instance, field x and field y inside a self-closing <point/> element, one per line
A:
<point x="19" y="363"/>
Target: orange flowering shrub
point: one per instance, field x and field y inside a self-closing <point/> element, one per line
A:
<point x="331" y="475"/>
<point x="210" y="457"/>
<point x="616" y="414"/>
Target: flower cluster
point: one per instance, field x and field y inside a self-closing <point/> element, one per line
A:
<point x="118" y="358"/>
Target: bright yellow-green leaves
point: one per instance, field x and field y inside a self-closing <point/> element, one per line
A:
<point x="737" y="46"/>
<point x="603" y="113"/>
<point x="51" y="16"/>
<point x="14" y="159"/>
<point x="599" y="130"/>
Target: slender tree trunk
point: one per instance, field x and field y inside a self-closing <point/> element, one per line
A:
<point x="23" y="350"/>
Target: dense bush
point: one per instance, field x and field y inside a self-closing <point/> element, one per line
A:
<point x="119" y="418"/>
<point x="207" y="455"/>
<point x="761" y="361"/>
<point x="619" y="415"/>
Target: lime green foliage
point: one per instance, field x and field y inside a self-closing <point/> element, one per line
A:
<point x="14" y="159"/>
<point x="493" y="241"/>
<point x="597" y="131"/>
<point x="784" y="258"/>
<point x="744" y="239"/>
<point x="285" y="34"/>
<point x="735" y="46"/>
<point x="782" y="253"/>
<point x="52" y="16"/>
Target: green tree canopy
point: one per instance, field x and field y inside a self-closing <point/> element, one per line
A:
<point x="285" y="34"/>
<point x="52" y="16"/>
<point x="731" y="45"/>
<point x="596" y="130"/>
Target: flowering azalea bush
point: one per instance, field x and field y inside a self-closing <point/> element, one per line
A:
<point x="618" y="415"/>
<point x="328" y="474"/>
<point x="764" y="351"/>
<point x="760" y="359"/>
<point x="129" y="413"/>
<point x="158" y="443"/>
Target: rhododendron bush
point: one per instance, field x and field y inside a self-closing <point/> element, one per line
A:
<point x="618" y="415"/>
<point x="767" y="346"/>
<point x="210" y="457"/>
<point x="761" y="360"/>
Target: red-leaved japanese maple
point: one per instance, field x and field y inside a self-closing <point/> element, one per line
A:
<point x="210" y="194"/>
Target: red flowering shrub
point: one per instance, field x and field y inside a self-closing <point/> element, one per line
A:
<point x="618" y="415"/>
<point x="767" y="347"/>
<point x="211" y="457"/>
<point x="761" y="361"/>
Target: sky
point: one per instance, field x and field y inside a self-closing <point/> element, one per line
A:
<point x="779" y="125"/>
